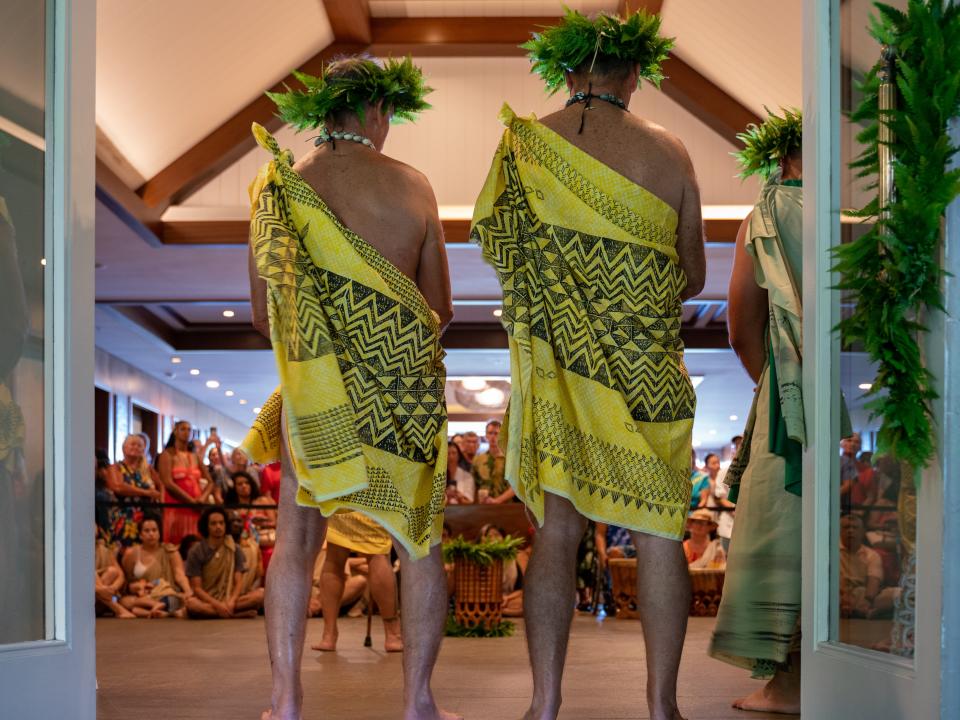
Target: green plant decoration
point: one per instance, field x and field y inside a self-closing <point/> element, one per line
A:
<point x="504" y="628"/>
<point x="398" y="83"/>
<point x="562" y="48"/>
<point x="484" y="553"/>
<point x="893" y="271"/>
<point x="767" y="144"/>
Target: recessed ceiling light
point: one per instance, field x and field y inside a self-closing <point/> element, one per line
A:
<point x="695" y="380"/>
<point x="243" y="402"/>
<point x="43" y="261"/>
<point x="734" y="418"/>
<point x="213" y="384"/>
<point x="711" y="432"/>
<point x="256" y="411"/>
<point x="491" y="397"/>
<point x="229" y="393"/>
<point x="194" y="371"/>
<point x="498" y="312"/>
<point x="865" y="386"/>
<point x="228" y="313"/>
<point x="175" y="360"/>
<point x="697" y="443"/>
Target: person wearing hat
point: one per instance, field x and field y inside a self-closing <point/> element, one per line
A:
<point x="701" y="548"/>
<point x="349" y="280"/>
<point x="591" y="219"/>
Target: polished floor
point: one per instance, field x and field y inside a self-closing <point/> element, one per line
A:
<point x="193" y="670"/>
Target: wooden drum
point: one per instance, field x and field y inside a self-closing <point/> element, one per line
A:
<point x="478" y="593"/>
<point x="707" y="590"/>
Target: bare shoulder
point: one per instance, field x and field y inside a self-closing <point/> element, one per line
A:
<point x="667" y="142"/>
<point x="412" y="178"/>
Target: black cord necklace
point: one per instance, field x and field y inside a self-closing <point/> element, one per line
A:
<point x="587" y="97"/>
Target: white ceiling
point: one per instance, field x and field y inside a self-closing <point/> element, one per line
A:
<point x="168" y="73"/>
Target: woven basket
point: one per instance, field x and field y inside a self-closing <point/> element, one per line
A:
<point x="707" y="586"/>
<point x="478" y="593"/>
<point x="707" y="590"/>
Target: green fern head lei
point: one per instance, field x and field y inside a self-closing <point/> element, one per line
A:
<point x="572" y="45"/>
<point x="766" y="145"/>
<point x="350" y="84"/>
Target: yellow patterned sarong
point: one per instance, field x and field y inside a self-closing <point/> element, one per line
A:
<point x="359" y="534"/>
<point x="601" y="409"/>
<point x="360" y="364"/>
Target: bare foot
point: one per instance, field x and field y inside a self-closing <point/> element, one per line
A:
<point x="327" y="644"/>
<point x="433" y="713"/>
<point x="770" y="701"/>
<point x="393" y="641"/>
<point x="122" y="613"/>
<point x="246" y="614"/>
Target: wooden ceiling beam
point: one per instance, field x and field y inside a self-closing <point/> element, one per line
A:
<point x="129" y="207"/>
<point x="349" y="20"/>
<point x="235" y="232"/>
<point x="626" y="7"/>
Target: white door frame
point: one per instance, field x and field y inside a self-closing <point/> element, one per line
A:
<point x="842" y="681"/>
<point x="56" y="677"/>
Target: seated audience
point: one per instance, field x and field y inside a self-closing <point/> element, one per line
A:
<point x="186" y="543"/>
<point x="261" y="525"/>
<point x="215" y="567"/>
<point x="157" y="586"/>
<point x="134" y="482"/>
<point x="513" y="571"/>
<point x="461" y="487"/>
<point x="108" y="580"/>
<point x="699" y="481"/>
<point x="239" y="462"/>
<point x="861" y="573"/>
<point x="355" y="585"/>
<point x="253" y="576"/>
<point x="700" y="549"/>
<point x="102" y="492"/>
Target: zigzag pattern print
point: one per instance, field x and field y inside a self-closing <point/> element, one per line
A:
<point x="609" y="309"/>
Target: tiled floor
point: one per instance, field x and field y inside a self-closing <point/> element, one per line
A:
<point x="188" y="670"/>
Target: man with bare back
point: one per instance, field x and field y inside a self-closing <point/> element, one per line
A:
<point x="591" y="218"/>
<point x="349" y="280"/>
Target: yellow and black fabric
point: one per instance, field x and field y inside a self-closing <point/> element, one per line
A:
<point x="601" y="408"/>
<point x="360" y="364"/>
<point x="359" y="534"/>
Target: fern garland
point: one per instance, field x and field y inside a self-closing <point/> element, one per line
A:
<point x="484" y="553"/>
<point x="893" y="271"/>
<point x="565" y="47"/>
<point x="504" y="628"/>
<point x="398" y="83"/>
<point x="767" y="144"/>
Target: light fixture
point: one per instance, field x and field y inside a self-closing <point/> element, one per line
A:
<point x="865" y="386"/>
<point x="213" y="384"/>
<point x="228" y="313"/>
<point x="229" y="393"/>
<point x="43" y="261"/>
<point x="498" y="312"/>
<point x="175" y="360"/>
<point x="194" y="371"/>
<point x="491" y="397"/>
<point x="256" y="411"/>
<point x="734" y="418"/>
<point x="473" y="384"/>
<point x="711" y="432"/>
<point x="695" y="380"/>
<point x="697" y="443"/>
<point x="242" y="401"/>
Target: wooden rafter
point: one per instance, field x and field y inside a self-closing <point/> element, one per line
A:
<point x="628" y="6"/>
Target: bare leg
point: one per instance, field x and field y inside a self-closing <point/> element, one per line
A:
<point x="104" y="601"/>
<point x="300" y="534"/>
<point x="251" y="601"/>
<point x="424" y="589"/>
<point x="780" y="695"/>
<point x="550" y="593"/>
<point x="333" y="580"/>
<point x="383" y="590"/>
<point x="663" y="599"/>
<point x="200" y="609"/>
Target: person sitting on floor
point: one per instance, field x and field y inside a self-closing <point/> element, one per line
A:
<point x="253" y="576"/>
<point x="108" y="579"/>
<point x="215" y="566"/>
<point x="355" y="585"/>
<point x="861" y="569"/>
<point x="156" y="583"/>
<point x="701" y="550"/>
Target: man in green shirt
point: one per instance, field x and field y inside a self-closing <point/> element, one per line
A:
<point x="488" y="467"/>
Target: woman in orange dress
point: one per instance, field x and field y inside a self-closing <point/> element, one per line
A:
<point x="182" y="475"/>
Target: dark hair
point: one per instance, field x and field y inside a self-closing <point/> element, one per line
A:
<point x="172" y="440"/>
<point x="495" y="423"/>
<point x="232" y="498"/>
<point x="735" y="439"/>
<point x="452" y="444"/>
<point x="707" y="458"/>
<point x="153" y="519"/>
<point x="203" y="525"/>
<point x="186" y="543"/>
<point x="103" y="459"/>
<point x="606" y="67"/>
<point x="491" y="526"/>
